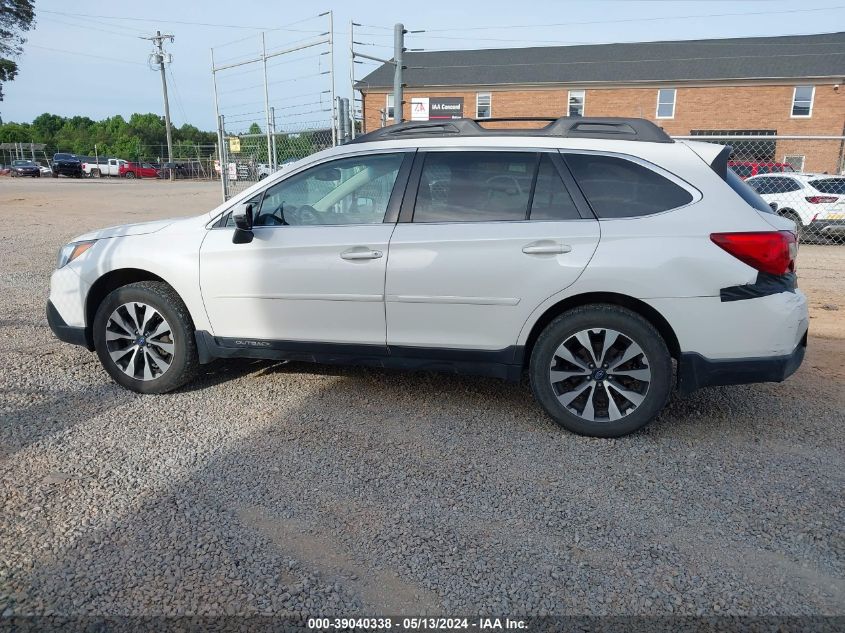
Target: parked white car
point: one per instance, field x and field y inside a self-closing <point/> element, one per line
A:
<point x="591" y="254"/>
<point x="815" y="202"/>
<point x="105" y="167"/>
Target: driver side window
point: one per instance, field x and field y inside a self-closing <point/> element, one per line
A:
<point x="353" y="190"/>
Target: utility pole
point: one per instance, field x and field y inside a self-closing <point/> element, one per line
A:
<point x="158" y="59"/>
<point x="398" y="68"/>
<point x="398" y="50"/>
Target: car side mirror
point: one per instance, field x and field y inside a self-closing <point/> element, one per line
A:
<point x="242" y="215"/>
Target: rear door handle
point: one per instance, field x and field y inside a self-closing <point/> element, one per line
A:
<point x="360" y="252"/>
<point x="545" y="247"/>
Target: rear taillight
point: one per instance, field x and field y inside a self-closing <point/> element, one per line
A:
<point x="772" y="252"/>
<point x="820" y="199"/>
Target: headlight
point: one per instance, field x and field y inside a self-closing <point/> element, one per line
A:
<point x="71" y="251"/>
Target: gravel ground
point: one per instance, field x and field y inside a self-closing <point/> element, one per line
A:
<point x="277" y="488"/>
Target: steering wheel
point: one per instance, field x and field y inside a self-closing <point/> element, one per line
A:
<point x="509" y="179"/>
<point x="303" y="215"/>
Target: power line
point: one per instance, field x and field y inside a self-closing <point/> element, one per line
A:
<point x="108" y="59"/>
<point x="626" y="20"/>
<point x="178" y="96"/>
<point x="208" y="24"/>
<point x="87" y="27"/>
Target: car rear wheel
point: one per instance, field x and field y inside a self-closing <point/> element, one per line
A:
<point x="601" y="370"/>
<point x="129" y="174"/>
<point x="144" y="338"/>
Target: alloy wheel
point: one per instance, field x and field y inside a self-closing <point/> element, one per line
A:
<point x="140" y="341"/>
<point x="600" y="374"/>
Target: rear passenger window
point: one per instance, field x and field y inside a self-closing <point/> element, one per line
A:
<point x="618" y="188"/>
<point x="475" y="186"/>
<point x="551" y="199"/>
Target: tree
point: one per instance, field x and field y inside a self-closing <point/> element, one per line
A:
<point x="16" y="17"/>
<point x="255" y="129"/>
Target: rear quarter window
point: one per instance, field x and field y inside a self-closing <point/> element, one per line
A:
<point x="619" y="188"/>
<point x="745" y="192"/>
<point x="830" y="185"/>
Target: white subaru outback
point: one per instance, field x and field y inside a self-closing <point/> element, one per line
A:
<point x="595" y="254"/>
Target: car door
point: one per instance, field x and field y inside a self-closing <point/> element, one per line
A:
<point x="314" y="270"/>
<point x="483" y="239"/>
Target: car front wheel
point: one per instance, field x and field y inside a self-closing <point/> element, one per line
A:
<point x="144" y="338"/>
<point x="601" y="370"/>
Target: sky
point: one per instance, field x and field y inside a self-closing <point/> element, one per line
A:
<point x="89" y="58"/>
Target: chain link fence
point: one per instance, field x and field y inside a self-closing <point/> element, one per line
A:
<point x="274" y="95"/>
<point x="800" y="177"/>
<point x="246" y="155"/>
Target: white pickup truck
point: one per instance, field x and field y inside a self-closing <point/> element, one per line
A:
<point x="103" y="167"/>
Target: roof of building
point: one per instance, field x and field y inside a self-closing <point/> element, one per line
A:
<point x="782" y="57"/>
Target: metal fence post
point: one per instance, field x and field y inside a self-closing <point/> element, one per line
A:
<point x="274" y="161"/>
<point x="331" y="70"/>
<point x="224" y="158"/>
<point x="266" y="98"/>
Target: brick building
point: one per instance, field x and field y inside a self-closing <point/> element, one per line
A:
<point x="789" y="85"/>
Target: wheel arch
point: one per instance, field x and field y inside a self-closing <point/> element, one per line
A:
<point x="109" y="282"/>
<point x="648" y="312"/>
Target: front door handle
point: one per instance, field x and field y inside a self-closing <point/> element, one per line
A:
<point x="546" y="247"/>
<point x="360" y="252"/>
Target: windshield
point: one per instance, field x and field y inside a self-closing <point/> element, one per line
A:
<point x="747" y="193"/>
<point x="22" y="163"/>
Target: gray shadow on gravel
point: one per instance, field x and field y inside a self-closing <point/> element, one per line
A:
<point x="23" y="425"/>
<point x="368" y="491"/>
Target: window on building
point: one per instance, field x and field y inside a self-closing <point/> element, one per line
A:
<point x="666" y="103"/>
<point x="576" y="102"/>
<point x="619" y="188"/>
<point x="483" y="105"/>
<point x="802" y="101"/>
<point x="795" y="161"/>
<point x="388" y="106"/>
<point x="475" y="186"/>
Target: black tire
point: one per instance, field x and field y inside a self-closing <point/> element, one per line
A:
<point x="631" y="325"/>
<point x="55" y="174"/>
<point x="166" y="301"/>
<point x="129" y="175"/>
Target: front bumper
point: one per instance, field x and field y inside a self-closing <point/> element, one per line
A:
<point x="64" y="332"/>
<point x="696" y="371"/>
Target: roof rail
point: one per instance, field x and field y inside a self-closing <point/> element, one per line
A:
<point x="612" y="128"/>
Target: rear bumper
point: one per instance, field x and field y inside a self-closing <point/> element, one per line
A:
<point x="696" y="371"/>
<point x="827" y="227"/>
<point x="64" y="332"/>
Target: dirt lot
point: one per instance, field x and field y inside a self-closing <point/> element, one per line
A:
<point x="269" y="488"/>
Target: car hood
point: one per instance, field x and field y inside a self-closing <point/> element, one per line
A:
<point x="123" y="230"/>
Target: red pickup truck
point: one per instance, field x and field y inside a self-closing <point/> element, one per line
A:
<point x="138" y="170"/>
